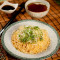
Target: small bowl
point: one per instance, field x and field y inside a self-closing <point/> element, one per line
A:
<point x="37" y="14"/>
<point x="10" y="4"/>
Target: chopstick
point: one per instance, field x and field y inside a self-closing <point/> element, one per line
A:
<point x="11" y="20"/>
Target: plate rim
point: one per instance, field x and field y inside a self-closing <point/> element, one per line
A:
<point x="19" y="57"/>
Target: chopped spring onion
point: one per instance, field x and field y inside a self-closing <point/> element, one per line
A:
<point x="29" y="35"/>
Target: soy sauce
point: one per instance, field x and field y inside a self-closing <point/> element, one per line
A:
<point x="37" y="7"/>
<point x="7" y="7"/>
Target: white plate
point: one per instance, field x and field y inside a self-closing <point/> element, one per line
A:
<point x="6" y="40"/>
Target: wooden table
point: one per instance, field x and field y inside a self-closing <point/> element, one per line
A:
<point x="52" y="18"/>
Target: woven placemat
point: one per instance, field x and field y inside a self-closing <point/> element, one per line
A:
<point x="52" y="18"/>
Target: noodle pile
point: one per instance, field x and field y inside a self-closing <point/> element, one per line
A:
<point x="31" y="40"/>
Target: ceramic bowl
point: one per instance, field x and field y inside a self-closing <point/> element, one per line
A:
<point x="10" y="4"/>
<point x="37" y="14"/>
<point x="7" y="44"/>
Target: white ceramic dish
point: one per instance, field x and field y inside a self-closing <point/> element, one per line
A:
<point x="6" y="40"/>
<point x="37" y="14"/>
<point x="10" y="4"/>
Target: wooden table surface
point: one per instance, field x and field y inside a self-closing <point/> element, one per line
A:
<point x="52" y="18"/>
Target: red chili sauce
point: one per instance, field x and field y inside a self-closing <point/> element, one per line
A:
<point x="37" y="7"/>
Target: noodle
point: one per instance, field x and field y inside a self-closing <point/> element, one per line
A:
<point x="30" y="46"/>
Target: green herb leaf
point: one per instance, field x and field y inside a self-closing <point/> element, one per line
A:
<point x="41" y="38"/>
<point x="19" y="35"/>
<point x="36" y="27"/>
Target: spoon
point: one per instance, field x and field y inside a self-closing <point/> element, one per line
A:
<point x="6" y="3"/>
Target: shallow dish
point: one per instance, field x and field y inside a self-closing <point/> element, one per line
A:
<point x="10" y="4"/>
<point x="6" y="40"/>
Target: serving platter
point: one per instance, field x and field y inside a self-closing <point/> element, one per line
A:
<point x="6" y="40"/>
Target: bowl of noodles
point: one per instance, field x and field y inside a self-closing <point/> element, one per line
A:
<point x="30" y="39"/>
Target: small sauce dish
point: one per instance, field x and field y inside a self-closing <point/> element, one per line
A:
<point x="8" y="7"/>
<point x="33" y="8"/>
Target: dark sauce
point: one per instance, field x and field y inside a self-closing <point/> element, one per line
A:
<point x="37" y="7"/>
<point x="7" y="7"/>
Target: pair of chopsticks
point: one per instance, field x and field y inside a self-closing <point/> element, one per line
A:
<point x="14" y="16"/>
